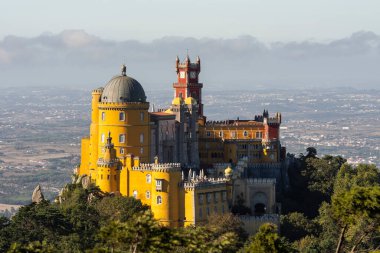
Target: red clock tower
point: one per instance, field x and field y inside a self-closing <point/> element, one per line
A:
<point x="187" y="84"/>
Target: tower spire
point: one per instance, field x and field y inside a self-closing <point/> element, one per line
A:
<point x="123" y="70"/>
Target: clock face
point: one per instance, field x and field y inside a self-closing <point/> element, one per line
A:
<point x="182" y="74"/>
<point x="193" y="74"/>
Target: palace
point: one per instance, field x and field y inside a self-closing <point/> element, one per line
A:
<point x="183" y="166"/>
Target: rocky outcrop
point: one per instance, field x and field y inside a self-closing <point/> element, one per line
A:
<point x="37" y="195"/>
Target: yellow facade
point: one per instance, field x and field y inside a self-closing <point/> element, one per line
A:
<point x="129" y="125"/>
<point x="116" y="156"/>
<point x="227" y="143"/>
<point x="203" y="199"/>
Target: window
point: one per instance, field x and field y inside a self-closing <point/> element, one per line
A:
<point x="135" y="194"/>
<point x="159" y="200"/>
<point x="215" y="209"/>
<point x="121" y="150"/>
<point x="141" y="116"/>
<point x="208" y="211"/>
<point x="141" y="138"/>
<point x="245" y="133"/>
<point x="122" y="116"/>
<point x="259" y="135"/>
<point x="200" y="199"/>
<point x="122" y="138"/>
<point x="233" y="134"/>
<point x="215" y="197"/>
<point x="208" y="196"/>
<point x="102" y="138"/>
<point x="220" y="133"/>
<point x="147" y="194"/>
<point x="222" y="208"/>
<point x="159" y="184"/>
<point x="208" y="133"/>
<point x="148" y="178"/>
<point x="141" y="150"/>
<point x="103" y="116"/>
<point x="224" y="196"/>
<point x="180" y="95"/>
<point x="200" y="213"/>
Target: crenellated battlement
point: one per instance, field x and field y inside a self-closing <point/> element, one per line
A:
<point x="103" y="163"/>
<point x="252" y="181"/>
<point x="98" y="90"/>
<point x="160" y="167"/>
<point x="234" y="123"/>
<point x="204" y="183"/>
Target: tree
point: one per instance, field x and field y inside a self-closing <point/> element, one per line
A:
<point x="118" y="208"/>
<point x="38" y="222"/>
<point x="295" y="226"/>
<point x="142" y="233"/>
<point x="267" y="240"/>
<point x="311" y="152"/>
<point x="33" y="247"/>
<point x="355" y="208"/>
<point x="321" y="174"/>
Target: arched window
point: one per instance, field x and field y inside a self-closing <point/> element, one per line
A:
<point x="159" y="200"/>
<point x="141" y="116"/>
<point x="147" y="194"/>
<point x="122" y="138"/>
<point x="245" y="133"/>
<point x="220" y="133"/>
<point x="121" y="150"/>
<point x="135" y="194"/>
<point x="103" y="116"/>
<point x="141" y="138"/>
<point x="102" y="138"/>
<point x="121" y="116"/>
<point x="148" y="178"/>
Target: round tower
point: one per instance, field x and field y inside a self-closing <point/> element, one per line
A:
<point x="123" y="110"/>
<point x="108" y="173"/>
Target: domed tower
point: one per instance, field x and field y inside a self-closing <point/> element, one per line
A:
<point x="123" y="111"/>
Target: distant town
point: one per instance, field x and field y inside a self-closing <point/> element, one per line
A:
<point x="40" y="128"/>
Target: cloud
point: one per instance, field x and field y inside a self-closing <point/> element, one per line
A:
<point x="74" y="56"/>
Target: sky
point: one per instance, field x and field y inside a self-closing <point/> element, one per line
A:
<point x="252" y="43"/>
<point x="268" y="20"/>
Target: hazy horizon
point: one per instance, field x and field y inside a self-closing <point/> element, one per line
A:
<point x="77" y="58"/>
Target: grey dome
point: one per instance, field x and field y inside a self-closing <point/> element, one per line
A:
<point x="123" y="89"/>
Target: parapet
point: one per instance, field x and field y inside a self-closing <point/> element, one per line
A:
<point x="204" y="183"/>
<point x="234" y="123"/>
<point x="160" y="167"/>
<point x="102" y="163"/>
<point x="261" y="181"/>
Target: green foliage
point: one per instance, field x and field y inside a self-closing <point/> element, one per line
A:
<point x="118" y="208"/>
<point x="311" y="182"/>
<point x="221" y="233"/>
<point x="267" y="240"/>
<point x="295" y="226"/>
<point x="142" y="233"/>
<point x="33" y="247"/>
<point x="359" y="202"/>
<point x="321" y="173"/>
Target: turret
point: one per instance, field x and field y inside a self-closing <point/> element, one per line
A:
<point x="108" y="173"/>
